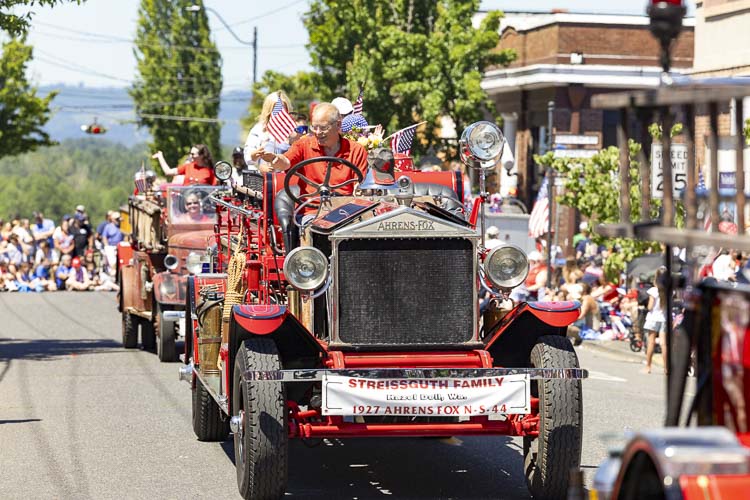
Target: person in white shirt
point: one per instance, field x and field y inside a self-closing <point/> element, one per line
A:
<point x="725" y="267"/>
<point x="656" y="321"/>
<point x="259" y="135"/>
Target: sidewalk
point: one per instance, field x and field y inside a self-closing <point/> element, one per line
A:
<point x="620" y="350"/>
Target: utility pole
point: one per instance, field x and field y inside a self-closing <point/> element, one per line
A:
<point x="255" y="55"/>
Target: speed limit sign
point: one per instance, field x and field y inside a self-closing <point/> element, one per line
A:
<point x="679" y="170"/>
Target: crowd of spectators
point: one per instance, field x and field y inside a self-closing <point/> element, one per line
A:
<point x="39" y="255"/>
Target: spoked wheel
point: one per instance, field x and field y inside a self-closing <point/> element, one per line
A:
<point x="148" y="337"/>
<point x="209" y="422"/>
<point x="261" y="439"/>
<point x="549" y="458"/>
<point x="166" y="343"/>
<point x="129" y="331"/>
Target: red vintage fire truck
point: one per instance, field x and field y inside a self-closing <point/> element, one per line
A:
<point x="172" y="235"/>
<point x="364" y="322"/>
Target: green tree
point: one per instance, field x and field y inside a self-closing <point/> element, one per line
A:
<point x="22" y="113"/>
<point x="419" y="60"/>
<point x="92" y="171"/>
<point x="17" y="23"/>
<point x="178" y="87"/>
<point x="302" y="88"/>
<point x="591" y="187"/>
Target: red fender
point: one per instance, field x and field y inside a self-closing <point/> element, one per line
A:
<point x="555" y="313"/>
<point x="259" y="319"/>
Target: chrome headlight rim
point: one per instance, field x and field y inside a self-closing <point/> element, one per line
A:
<point x="515" y="280"/>
<point x="293" y="259"/>
<point x="476" y="154"/>
<point x="222" y="170"/>
<point x="194" y="262"/>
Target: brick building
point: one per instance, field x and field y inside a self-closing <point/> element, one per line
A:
<point x="565" y="58"/>
<point x="716" y="22"/>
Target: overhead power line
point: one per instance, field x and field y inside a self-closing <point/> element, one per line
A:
<point x="265" y="14"/>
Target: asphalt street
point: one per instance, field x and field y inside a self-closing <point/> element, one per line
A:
<point x="81" y="417"/>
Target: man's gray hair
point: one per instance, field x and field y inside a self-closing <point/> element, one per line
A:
<point x="327" y="111"/>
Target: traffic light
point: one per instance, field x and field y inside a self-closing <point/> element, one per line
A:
<point x="94" y="128"/>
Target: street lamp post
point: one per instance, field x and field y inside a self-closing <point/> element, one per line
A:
<point x="253" y="44"/>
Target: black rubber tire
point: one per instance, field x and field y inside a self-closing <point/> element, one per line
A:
<point x="166" y="344"/>
<point x="129" y="331"/>
<point x="148" y="337"/>
<point x="549" y="458"/>
<point x="261" y="452"/>
<point x="209" y="422"/>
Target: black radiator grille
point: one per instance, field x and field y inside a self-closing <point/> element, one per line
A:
<point x="406" y="292"/>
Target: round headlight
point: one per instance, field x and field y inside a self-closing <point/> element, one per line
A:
<point x="506" y="266"/>
<point x="482" y="141"/>
<point x="222" y="170"/>
<point x="306" y="268"/>
<point x="193" y="263"/>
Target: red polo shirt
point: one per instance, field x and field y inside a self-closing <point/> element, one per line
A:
<point x="308" y="147"/>
<point x="196" y="175"/>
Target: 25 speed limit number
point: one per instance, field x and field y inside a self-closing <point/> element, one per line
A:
<point x="679" y="169"/>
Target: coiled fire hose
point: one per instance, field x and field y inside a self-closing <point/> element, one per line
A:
<point x="235" y="293"/>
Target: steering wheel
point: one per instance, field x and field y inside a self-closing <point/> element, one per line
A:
<point x="324" y="189"/>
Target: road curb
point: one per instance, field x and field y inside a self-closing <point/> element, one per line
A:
<point x="617" y="352"/>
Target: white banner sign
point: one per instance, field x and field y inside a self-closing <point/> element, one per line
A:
<point x="679" y="169"/>
<point x="425" y="397"/>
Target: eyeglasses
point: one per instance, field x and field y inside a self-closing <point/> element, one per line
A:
<point x="194" y="154"/>
<point x="321" y="128"/>
<point x="302" y="129"/>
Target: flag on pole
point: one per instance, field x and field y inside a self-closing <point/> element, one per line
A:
<point x="701" y="188"/>
<point x="281" y="124"/>
<point x="359" y="103"/>
<point x="539" y="218"/>
<point x="401" y="141"/>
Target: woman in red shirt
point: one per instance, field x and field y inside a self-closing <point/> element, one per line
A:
<point x="197" y="170"/>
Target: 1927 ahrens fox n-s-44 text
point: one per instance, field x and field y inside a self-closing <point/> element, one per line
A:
<point x="365" y="322"/>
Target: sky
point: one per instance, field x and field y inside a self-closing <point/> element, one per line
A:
<point x="91" y="44"/>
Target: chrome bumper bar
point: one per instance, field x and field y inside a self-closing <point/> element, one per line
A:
<point x="316" y="374"/>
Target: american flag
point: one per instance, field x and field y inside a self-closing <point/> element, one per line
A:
<point x="539" y="218"/>
<point x="281" y="124"/>
<point x="358" y="104"/>
<point x="401" y="140"/>
<point x="701" y="188"/>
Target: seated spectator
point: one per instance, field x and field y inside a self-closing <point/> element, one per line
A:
<point x="62" y="273"/>
<point x="593" y="271"/>
<point x="26" y="281"/>
<point x="5" y="276"/>
<point x="9" y="277"/>
<point x="42" y="229"/>
<point x="79" y="279"/>
<point x="45" y="252"/>
<point x="106" y="282"/>
<point x="589" y="316"/>
<point x="14" y="251"/>
<point x="64" y="241"/>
